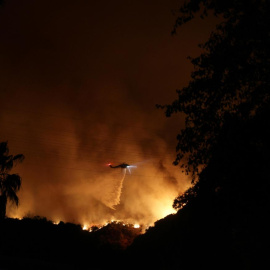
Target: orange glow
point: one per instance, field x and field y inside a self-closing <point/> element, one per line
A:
<point x="165" y="211"/>
<point x="94" y="117"/>
<point x="141" y="199"/>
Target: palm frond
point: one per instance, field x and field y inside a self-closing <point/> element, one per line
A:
<point x="12" y="182"/>
<point x="12" y="196"/>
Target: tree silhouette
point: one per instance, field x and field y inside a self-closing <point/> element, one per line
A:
<point x="9" y="183"/>
<point x="227" y="131"/>
<point x="222" y="220"/>
<point x="230" y="78"/>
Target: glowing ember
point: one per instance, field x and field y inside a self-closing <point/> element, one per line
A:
<point x="136" y="226"/>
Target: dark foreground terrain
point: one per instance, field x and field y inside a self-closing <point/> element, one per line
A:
<point x="36" y="243"/>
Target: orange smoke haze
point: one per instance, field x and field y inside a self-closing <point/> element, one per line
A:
<point x="79" y="84"/>
<point x="69" y="180"/>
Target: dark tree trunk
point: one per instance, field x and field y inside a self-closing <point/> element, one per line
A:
<point x="3" y="205"/>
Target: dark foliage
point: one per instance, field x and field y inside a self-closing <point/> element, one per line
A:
<point x="231" y="77"/>
<point x="222" y="220"/>
<point x="36" y="243"/>
<point x="9" y="183"/>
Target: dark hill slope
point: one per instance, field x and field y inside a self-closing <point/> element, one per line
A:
<point x="35" y="243"/>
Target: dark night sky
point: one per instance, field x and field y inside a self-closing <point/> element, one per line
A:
<point x="79" y="84"/>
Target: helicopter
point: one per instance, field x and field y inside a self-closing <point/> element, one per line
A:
<point x="122" y="165"/>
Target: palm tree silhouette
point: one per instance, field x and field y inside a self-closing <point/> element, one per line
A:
<point x="9" y="183"/>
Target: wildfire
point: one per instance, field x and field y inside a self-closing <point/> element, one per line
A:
<point x="162" y="209"/>
<point x="90" y="228"/>
<point x="167" y="211"/>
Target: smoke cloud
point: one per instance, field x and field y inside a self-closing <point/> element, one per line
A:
<point x="79" y="84"/>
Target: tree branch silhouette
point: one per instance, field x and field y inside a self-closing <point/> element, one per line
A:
<point x="230" y="77"/>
